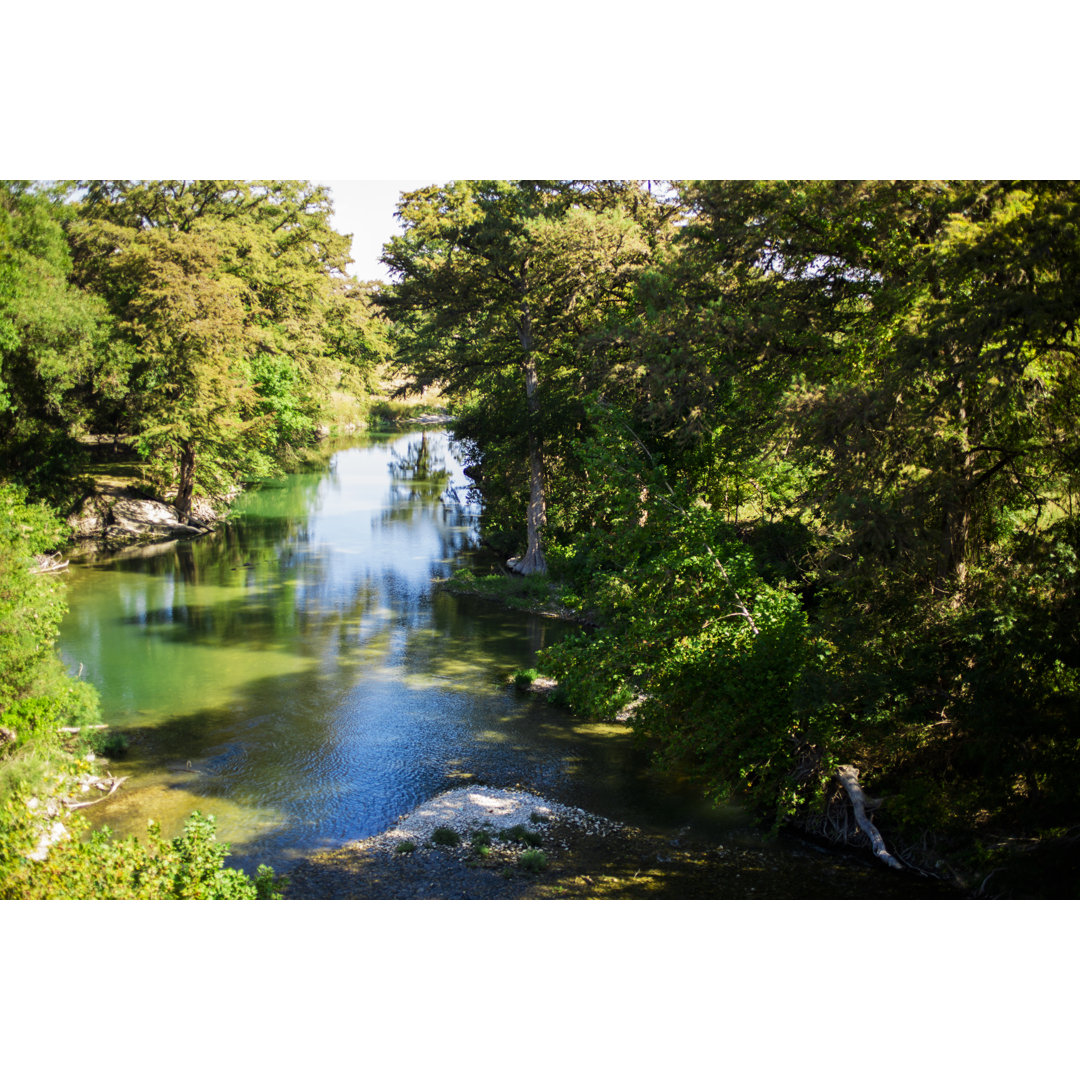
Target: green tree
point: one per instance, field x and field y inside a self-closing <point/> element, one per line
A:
<point x="236" y="314"/>
<point x="52" y="339"/>
<point x="498" y="283"/>
<point x="874" y="384"/>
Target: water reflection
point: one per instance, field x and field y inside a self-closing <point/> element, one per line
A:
<point x="294" y="673"/>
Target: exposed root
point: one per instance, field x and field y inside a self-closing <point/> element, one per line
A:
<point x="848" y="776"/>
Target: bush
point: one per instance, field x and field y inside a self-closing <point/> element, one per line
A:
<point x="524" y="678"/>
<point x="520" y="835"/>
<point x="446" y="836"/>
<point x="534" y="861"/>
<point x="100" y="867"/>
<point x="110" y="744"/>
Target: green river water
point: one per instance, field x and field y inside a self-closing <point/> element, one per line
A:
<point x="296" y="674"/>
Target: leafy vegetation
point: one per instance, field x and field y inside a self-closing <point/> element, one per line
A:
<point x="206" y="325"/>
<point x="101" y="867"/>
<point x="533" y="860"/>
<point x="39" y="770"/>
<point x="807" y="451"/>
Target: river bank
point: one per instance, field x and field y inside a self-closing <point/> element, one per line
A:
<point x="833" y="828"/>
<point x="503" y="844"/>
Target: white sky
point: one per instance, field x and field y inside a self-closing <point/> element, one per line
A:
<point x="365" y="209"/>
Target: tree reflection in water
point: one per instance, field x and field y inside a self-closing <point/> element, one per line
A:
<point x="419" y="472"/>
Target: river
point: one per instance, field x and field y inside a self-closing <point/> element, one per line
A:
<point x="297" y="675"/>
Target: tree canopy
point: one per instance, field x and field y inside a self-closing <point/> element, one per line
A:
<point x="809" y="457"/>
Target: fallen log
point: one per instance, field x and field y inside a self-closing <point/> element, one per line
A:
<point x="116" y="782"/>
<point x="848" y="776"/>
<point x="47" y="564"/>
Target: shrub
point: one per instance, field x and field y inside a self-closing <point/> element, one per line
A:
<point x="534" y="861"/>
<point x="112" y="744"/>
<point x="446" y="836"/>
<point x="405" y="847"/>
<point x="524" y="678"/>
<point x="520" y="835"/>
<point x="100" y="867"/>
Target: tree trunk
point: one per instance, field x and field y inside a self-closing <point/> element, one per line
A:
<point x="533" y="561"/>
<point x="187" y="483"/>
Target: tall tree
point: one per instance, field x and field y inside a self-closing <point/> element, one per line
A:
<point x="52" y="338"/>
<point x="233" y="301"/>
<point x="498" y="282"/>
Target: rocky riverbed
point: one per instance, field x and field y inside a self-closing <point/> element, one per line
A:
<point x="481" y="843"/>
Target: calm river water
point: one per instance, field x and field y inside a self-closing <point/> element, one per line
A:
<point x="296" y="675"/>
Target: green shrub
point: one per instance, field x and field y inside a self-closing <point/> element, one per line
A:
<point x="534" y="861"/>
<point x="405" y="847"/>
<point x="100" y="867"/>
<point x="524" y="678"/>
<point x="520" y="835"/>
<point x="111" y="744"/>
<point x="446" y="836"/>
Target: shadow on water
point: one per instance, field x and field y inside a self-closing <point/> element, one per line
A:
<point x="295" y="675"/>
<point x="338" y="751"/>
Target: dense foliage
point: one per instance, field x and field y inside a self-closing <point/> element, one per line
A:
<point x="205" y="328"/>
<point x="810" y="454"/>
<point x="205" y="325"/>
<point x="40" y="768"/>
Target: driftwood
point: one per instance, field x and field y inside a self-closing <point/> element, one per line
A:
<point x="848" y="776"/>
<point x="47" y="564"/>
<point x="76" y="730"/>
<point x="114" y="783"/>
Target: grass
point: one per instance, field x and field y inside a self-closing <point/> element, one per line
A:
<point x="533" y="860"/>
<point x="536" y="592"/>
<point x="446" y="836"/>
<point x="520" y="835"/>
<point x="481" y="842"/>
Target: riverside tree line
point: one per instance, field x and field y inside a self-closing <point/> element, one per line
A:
<point x="805" y="452"/>
<point x="808" y="453"/>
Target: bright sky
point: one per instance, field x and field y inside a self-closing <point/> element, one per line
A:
<point x="365" y="209"/>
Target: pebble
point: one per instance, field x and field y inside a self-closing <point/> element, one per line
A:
<point x="467" y="810"/>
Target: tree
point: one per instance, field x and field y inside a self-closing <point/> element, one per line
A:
<point x="52" y="338"/>
<point x="237" y="319"/>
<point x="498" y="283"/>
<point x="869" y="389"/>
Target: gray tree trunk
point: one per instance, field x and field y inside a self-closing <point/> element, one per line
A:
<point x="186" y="488"/>
<point x="533" y="561"/>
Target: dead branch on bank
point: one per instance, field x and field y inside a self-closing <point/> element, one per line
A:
<point x="848" y="776"/>
<point x="114" y="783"/>
<point x="48" y="564"/>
